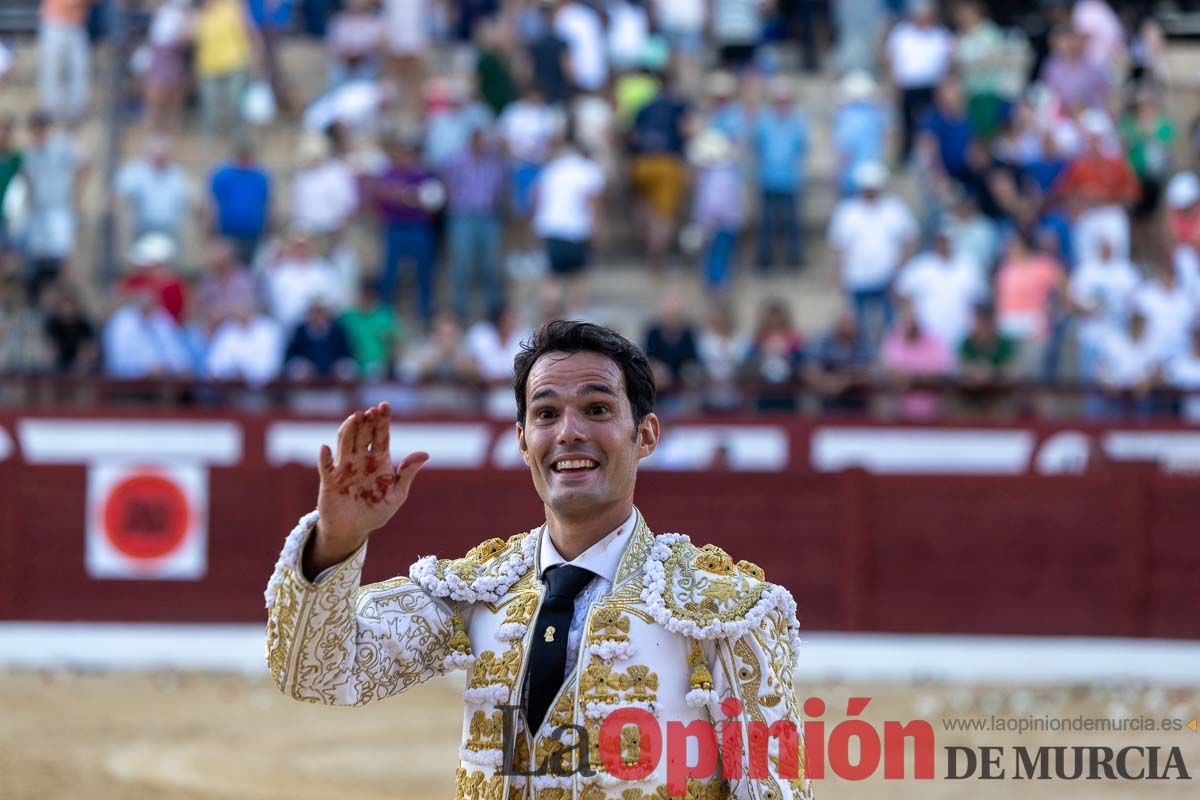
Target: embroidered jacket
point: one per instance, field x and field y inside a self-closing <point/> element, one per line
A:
<point x="682" y="629"/>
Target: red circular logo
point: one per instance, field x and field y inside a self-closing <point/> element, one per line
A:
<point x="146" y="516"/>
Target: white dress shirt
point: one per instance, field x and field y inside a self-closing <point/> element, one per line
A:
<point x="602" y="559"/>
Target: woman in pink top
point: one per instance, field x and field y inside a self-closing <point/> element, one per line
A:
<point x="908" y="355"/>
<point x="1027" y="283"/>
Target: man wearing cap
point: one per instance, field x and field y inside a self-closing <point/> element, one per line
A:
<point x="1183" y="210"/>
<point x="582" y="616"/>
<point x="871" y="235"/>
<point x="860" y="127"/>
<point x="156" y="191"/>
<point x="150" y="270"/>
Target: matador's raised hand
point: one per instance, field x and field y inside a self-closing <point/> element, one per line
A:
<point x="361" y="490"/>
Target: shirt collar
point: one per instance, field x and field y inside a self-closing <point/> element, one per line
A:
<point x="602" y="558"/>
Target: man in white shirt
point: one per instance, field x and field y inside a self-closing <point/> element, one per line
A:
<point x="141" y="340"/>
<point x="1101" y="295"/>
<point x="1169" y="308"/>
<point x="567" y="214"/>
<point x="1129" y="366"/>
<point x="247" y="346"/>
<point x="871" y="235"/>
<point x="298" y="277"/>
<point x="156" y="191"/>
<point x="919" y="53"/>
<point x="944" y="290"/>
<point x="580" y="27"/>
<point x="324" y="189"/>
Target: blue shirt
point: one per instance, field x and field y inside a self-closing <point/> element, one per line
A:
<point x="780" y="142"/>
<point x="731" y="120"/>
<point x="953" y="134"/>
<point x="859" y="134"/>
<point x="242" y="195"/>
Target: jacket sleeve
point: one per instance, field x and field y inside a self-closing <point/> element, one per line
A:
<point x="331" y="641"/>
<point x="756" y="669"/>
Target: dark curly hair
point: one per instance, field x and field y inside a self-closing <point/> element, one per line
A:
<point x="565" y="336"/>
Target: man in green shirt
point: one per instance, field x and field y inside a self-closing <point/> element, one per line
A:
<point x="374" y="332"/>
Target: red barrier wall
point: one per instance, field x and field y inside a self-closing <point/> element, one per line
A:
<point x="1114" y="553"/>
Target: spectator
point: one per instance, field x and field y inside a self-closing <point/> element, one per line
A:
<point x="167" y="77"/>
<point x="628" y="34"/>
<point x="240" y="191"/>
<point x="838" y="368"/>
<point x="860" y="26"/>
<point x="918" y="51"/>
<point x="23" y="346"/>
<point x="568" y="216"/>
<point x="54" y="170"/>
<point x="671" y="346"/>
<point x="728" y="113"/>
<point x="579" y="26"/>
<point x="319" y="346"/>
<point x="150" y="270"/>
<point x="406" y="195"/>
<point x="298" y="276"/>
<point x="1182" y="373"/>
<point x="942" y="290"/>
<point x="1183" y="210"/>
<point x="71" y="335"/>
<point x="775" y="359"/>
<point x="722" y="352"/>
<point x="980" y="53"/>
<point x="141" y="340"/>
<point x="781" y="147"/>
<point x="225" y="40"/>
<point x="494" y="343"/>
<point x="945" y="132"/>
<point x="658" y="175"/>
<point x="497" y="86"/>
<point x="324" y="189"/>
<point x="1029" y="285"/>
<point x="1074" y="80"/>
<point x="910" y="356"/>
<point x="860" y="128"/>
<point x="245" y="346"/>
<point x="374" y="331"/>
<point x="10" y="168"/>
<point x="1101" y="295"/>
<point x="867" y="264"/>
<point x="987" y="359"/>
<point x="1102" y="32"/>
<point x="1097" y="188"/>
<point x="1149" y="137"/>
<point x="474" y="184"/>
<point x="549" y="56"/>
<point x="353" y="43"/>
<point x="528" y="128"/>
<point x="64" y="59"/>
<point x="737" y="31"/>
<point x="683" y="23"/>
<point x="225" y="287"/>
<point x="1129" y="367"/>
<point x="452" y="117"/>
<point x="271" y="19"/>
<point x="973" y="237"/>
<point x="444" y="357"/>
<point x="1169" y="308"/>
<point x="409" y="24"/>
<point x="718" y="213"/>
<point x="156" y="191"/>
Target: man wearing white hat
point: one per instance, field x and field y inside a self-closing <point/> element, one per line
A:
<point x="860" y="127"/>
<point x="1183" y="210"/>
<point x="871" y="234"/>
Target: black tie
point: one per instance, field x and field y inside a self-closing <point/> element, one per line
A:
<point x="548" y="655"/>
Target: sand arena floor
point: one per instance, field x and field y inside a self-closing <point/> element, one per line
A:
<point x="183" y="736"/>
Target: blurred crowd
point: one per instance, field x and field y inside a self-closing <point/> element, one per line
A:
<point x="1010" y="206"/>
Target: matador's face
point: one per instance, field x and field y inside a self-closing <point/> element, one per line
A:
<point x="578" y="437"/>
